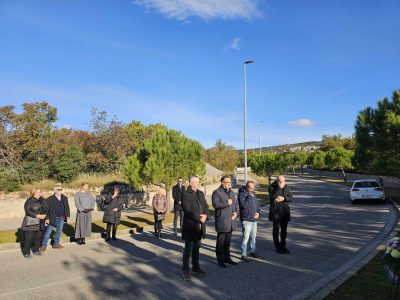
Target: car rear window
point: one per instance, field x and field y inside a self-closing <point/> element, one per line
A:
<point x="366" y="184"/>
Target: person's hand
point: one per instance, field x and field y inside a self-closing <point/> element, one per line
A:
<point x="279" y="199"/>
<point x="203" y="218"/>
<point x="230" y="202"/>
<point x="115" y="209"/>
<point x="234" y="216"/>
<point x="256" y="215"/>
<point x="40" y="217"/>
<point x="115" y="194"/>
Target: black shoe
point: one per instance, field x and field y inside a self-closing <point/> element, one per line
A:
<point x="83" y="242"/>
<point x="114" y="238"/>
<point x="230" y="261"/>
<point x="27" y="256"/>
<point x="107" y="239"/>
<point x="37" y="253"/>
<point x="79" y="241"/>
<point x="159" y="235"/>
<point x="255" y="255"/>
<point x="245" y="258"/>
<point x="199" y="271"/>
<point x="221" y="264"/>
<point x="285" y="250"/>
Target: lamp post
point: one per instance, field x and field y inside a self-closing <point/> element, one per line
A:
<point x="245" y="148"/>
<point x="259" y="135"/>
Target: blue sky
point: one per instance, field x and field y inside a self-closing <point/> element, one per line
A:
<point x="180" y="62"/>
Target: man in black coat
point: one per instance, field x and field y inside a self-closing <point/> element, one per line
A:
<point x="195" y="210"/>
<point x="58" y="212"/>
<point x="279" y="212"/>
<point x="226" y="213"/>
<point x="177" y="192"/>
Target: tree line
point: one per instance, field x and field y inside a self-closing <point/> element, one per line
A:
<point x="32" y="148"/>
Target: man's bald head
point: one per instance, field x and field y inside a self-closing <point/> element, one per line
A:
<point x="281" y="179"/>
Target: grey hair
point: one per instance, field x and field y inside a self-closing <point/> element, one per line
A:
<point x="193" y="178"/>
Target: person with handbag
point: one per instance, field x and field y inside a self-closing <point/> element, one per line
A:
<point x="112" y="213"/>
<point x="84" y="202"/>
<point x="58" y="213"/>
<point x="159" y="209"/>
<point x="33" y="223"/>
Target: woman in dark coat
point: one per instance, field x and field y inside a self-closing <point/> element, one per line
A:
<point x="159" y="209"/>
<point x="33" y="223"/>
<point x="112" y="213"/>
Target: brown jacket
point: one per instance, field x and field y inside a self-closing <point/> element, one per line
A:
<point x="159" y="203"/>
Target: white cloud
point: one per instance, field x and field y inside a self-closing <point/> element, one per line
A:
<point x="302" y="123"/>
<point x="204" y="9"/>
<point x="235" y="44"/>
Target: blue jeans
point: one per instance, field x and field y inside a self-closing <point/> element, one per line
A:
<point x="59" y="227"/>
<point x="249" y="230"/>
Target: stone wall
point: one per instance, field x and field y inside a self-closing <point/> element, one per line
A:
<point x="14" y="207"/>
<point x="387" y="180"/>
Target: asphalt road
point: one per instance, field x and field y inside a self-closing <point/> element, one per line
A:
<point x="326" y="234"/>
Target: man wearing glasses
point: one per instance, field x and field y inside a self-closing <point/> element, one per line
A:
<point x="226" y="213"/>
<point x="177" y="192"/>
<point x="58" y="209"/>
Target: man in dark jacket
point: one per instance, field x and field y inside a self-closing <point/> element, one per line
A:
<point x="249" y="215"/>
<point x="279" y="212"/>
<point x="195" y="210"/>
<point x="58" y="212"/>
<point x="177" y="191"/>
<point x="226" y="213"/>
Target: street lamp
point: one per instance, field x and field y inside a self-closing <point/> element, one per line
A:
<point x="259" y="135"/>
<point x="245" y="148"/>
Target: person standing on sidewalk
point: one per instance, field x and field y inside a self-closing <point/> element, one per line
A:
<point x="249" y="215"/>
<point x="177" y="192"/>
<point x="33" y="223"/>
<point x="279" y="212"/>
<point x="58" y="213"/>
<point x="195" y="210"/>
<point x="84" y="202"/>
<point x="112" y="213"/>
<point x="226" y="213"/>
<point x="159" y="208"/>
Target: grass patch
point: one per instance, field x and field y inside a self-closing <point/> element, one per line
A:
<point x="127" y="222"/>
<point x="370" y="282"/>
<point x="393" y="194"/>
<point x="94" y="180"/>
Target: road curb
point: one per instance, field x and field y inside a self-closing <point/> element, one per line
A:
<point x="338" y="277"/>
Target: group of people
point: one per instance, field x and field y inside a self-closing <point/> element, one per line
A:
<point x="191" y="203"/>
<point x="43" y="215"/>
<point x="190" y="207"/>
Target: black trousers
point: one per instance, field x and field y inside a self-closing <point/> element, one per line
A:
<point x="280" y="225"/>
<point x="191" y="249"/>
<point x="223" y="246"/>
<point x="180" y="214"/>
<point x="114" y="229"/>
<point x="157" y="223"/>
<point x="32" y="237"/>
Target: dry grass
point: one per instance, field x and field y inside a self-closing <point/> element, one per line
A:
<point x="94" y="181"/>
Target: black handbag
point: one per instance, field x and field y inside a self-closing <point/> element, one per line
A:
<point x="159" y="217"/>
<point x="29" y="221"/>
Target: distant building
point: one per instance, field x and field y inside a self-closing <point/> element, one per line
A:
<point x="304" y="148"/>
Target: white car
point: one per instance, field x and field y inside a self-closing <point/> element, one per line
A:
<point x="366" y="189"/>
